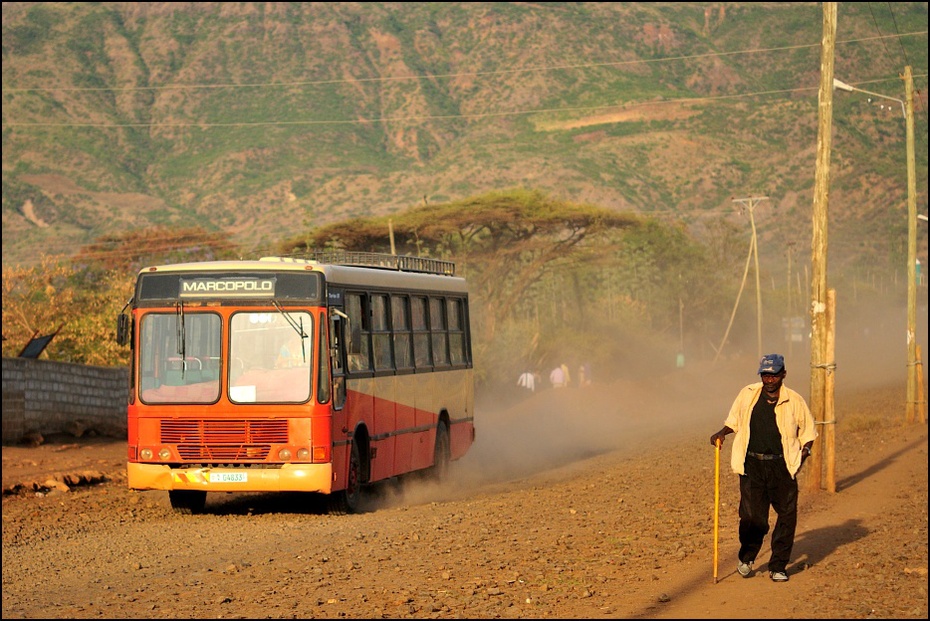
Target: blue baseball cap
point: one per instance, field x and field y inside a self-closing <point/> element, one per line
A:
<point x="772" y="363"/>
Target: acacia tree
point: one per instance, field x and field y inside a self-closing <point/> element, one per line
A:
<point x="130" y="251"/>
<point x="505" y="242"/>
<point x="36" y="298"/>
<point x="545" y="276"/>
<point x="84" y="294"/>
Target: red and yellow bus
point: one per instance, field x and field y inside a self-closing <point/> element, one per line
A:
<point x="315" y="375"/>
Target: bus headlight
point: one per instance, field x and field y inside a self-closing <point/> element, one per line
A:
<point x="164" y="454"/>
<point x="303" y="454"/>
<point x="284" y="454"/>
<point x="145" y="454"/>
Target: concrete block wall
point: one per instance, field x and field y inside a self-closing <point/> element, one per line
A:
<point x="59" y="397"/>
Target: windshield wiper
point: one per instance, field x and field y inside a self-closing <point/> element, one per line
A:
<point x="181" y="337"/>
<point x="298" y="328"/>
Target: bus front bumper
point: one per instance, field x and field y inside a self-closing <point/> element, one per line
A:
<point x="287" y="478"/>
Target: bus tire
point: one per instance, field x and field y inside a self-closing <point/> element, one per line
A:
<point x="442" y="457"/>
<point x="349" y="499"/>
<point x="187" y="502"/>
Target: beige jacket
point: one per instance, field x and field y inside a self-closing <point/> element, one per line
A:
<point x="792" y="416"/>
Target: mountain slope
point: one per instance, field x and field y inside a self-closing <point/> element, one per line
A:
<point x="264" y="119"/>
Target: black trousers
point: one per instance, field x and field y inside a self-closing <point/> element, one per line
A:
<point x="767" y="484"/>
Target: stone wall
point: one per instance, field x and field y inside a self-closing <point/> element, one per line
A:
<point x="59" y="397"/>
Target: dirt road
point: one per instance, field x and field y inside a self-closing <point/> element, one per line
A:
<point x="576" y="503"/>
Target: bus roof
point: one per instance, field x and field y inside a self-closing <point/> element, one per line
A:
<point x="401" y="272"/>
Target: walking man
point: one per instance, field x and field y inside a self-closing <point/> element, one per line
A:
<point x="774" y="433"/>
<point x="527" y="380"/>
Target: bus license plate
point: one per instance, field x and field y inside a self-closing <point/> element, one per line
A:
<point x="229" y="477"/>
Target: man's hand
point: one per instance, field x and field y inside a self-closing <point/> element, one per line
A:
<point x="717" y="438"/>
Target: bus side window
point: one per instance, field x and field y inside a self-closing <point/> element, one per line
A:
<point x="323" y="380"/>
<point x="359" y="326"/>
<point x="456" y="331"/>
<point x="381" y="332"/>
<point x="418" y="316"/>
<point x="400" y="319"/>
<point x="437" y="322"/>
<point x="337" y="334"/>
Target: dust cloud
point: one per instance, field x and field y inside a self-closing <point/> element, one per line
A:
<point x="554" y="427"/>
<point x="521" y="434"/>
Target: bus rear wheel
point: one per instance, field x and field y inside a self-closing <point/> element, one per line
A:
<point x="443" y="454"/>
<point x="187" y="502"/>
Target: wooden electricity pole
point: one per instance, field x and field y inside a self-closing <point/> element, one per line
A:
<point x="750" y="203"/>
<point x="912" y="365"/>
<point x="790" y="313"/>
<point x="829" y="423"/>
<point x="819" y="362"/>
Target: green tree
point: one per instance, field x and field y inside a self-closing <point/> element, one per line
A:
<point x="505" y="242"/>
<point x="133" y="250"/>
<point x="84" y="294"/>
<point x="37" y="300"/>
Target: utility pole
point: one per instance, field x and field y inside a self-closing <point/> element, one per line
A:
<point x="750" y="203"/>
<point x="391" y="233"/>
<point x="790" y="253"/>
<point x="912" y="365"/>
<point x="907" y="108"/>
<point x="819" y="363"/>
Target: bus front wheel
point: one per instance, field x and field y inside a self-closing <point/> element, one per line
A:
<point x="187" y="502"/>
<point x="349" y="499"/>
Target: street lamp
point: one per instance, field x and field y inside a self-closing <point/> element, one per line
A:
<point x="843" y="86"/>
<point x="907" y="107"/>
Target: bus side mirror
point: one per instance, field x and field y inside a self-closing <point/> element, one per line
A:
<point x="123" y="328"/>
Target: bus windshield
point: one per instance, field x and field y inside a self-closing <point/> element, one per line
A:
<point x="269" y="352"/>
<point x="270" y="357"/>
<point x="180" y="364"/>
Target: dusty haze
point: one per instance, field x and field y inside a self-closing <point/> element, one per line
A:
<point x="518" y="435"/>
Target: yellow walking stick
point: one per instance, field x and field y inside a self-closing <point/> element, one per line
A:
<point x="716" y="502"/>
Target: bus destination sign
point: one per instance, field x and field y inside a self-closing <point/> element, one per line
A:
<point x="240" y="287"/>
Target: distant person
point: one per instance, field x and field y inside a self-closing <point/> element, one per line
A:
<point x="774" y="433"/>
<point x="557" y="377"/>
<point x="584" y="375"/>
<point x="567" y="378"/>
<point x="527" y="381"/>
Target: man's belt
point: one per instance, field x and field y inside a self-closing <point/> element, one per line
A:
<point x="763" y="456"/>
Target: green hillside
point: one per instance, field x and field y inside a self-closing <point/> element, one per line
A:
<point x="262" y="120"/>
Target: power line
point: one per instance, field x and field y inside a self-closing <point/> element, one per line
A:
<point x="433" y="76"/>
<point x="877" y="29"/>
<point x="418" y="118"/>
<point x="907" y="61"/>
<point x="440" y="117"/>
<point x="423" y="117"/>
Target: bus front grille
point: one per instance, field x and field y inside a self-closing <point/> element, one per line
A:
<point x="218" y="440"/>
<point x="222" y="452"/>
